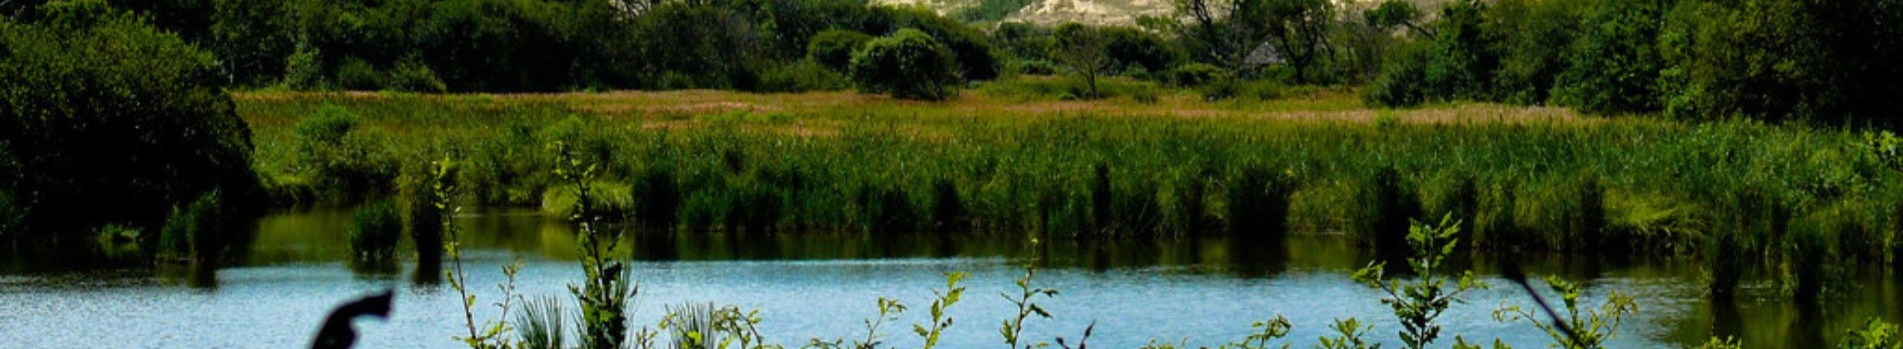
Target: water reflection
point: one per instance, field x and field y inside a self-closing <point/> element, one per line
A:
<point x="1307" y="270"/>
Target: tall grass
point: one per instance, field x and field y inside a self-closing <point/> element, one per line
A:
<point x="1077" y="169"/>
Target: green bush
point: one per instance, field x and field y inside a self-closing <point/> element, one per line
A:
<point x="337" y="152"/>
<point x="907" y="64"/>
<point x="198" y="231"/>
<point x="107" y="119"/>
<point x="376" y="228"/>
<point x="1615" y="66"/>
<point x="801" y="76"/>
<point x="1196" y="74"/>
<point x="833" y="48"/>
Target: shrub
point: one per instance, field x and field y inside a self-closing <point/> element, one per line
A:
<point x="1196" y="74"/>
<point x="833" y="48"/>
<point x="1616" y="63"/>
<point x="1132" y="49"/>
<point x="1403" y="79"/>
<point x="376" y="228"/>
<point x="801" y="76"/>
<point x="907" y="64"/>
<point x="107" y="119"/>
<point x="339" y="153"/>
<point x="196" y="231"/>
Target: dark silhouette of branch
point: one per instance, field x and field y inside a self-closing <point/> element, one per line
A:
<point x="1513" y="273"/>
<point x="337" y="334"/>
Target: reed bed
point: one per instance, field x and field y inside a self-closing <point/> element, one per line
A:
<point x="1519" y="178"/>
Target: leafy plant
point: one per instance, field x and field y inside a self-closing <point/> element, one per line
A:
<point x="607" y="287"/>
<point x="907" y="64"/>
<point x="540" y="325"/>
<point x="1350" y="335"/>
<point x="1875" y="334"/>
<point x="943" y="300"/>
<point x="488" y="335"/>
<point x="1266" y="331"/>
<point x="1589" y="329"/>
<point x="1013" y="328"/>
<point x="1419" y="302"/>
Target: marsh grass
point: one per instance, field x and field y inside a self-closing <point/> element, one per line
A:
<point x="376" y="229"/>
<point x="1529" y="178"/>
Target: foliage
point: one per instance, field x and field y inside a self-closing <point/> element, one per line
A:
<point x="1350" y="333"/>
<point x="1013" y="328"/>
<point x="827" y="168"/>
<point x="1083" y="49"/>
<point x="907" y="64"/>
<point x="941" y="301"/>
<point x="1615" y="65"/>
<point x="1266" y="331"/>
<point x="376" y="230"/>
<point x="1818" y="61"/>
<point x="607" y="286"/>
<point x="705" y="325"/>
<point x="834" y="48"/>
<point x="107" y="119"/>
<point x="1875" y="334"/>
<point x="1589" y="329"/>
<point x="198" y="231"/>
<point x="985" y="11"/>
<point x="541" y="323"/>
<point x="1418" y="303"/>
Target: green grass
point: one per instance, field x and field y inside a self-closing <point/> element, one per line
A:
<point x="1524" y="177"/>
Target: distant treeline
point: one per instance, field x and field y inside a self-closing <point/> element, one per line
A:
<point x="1815" y="60"/>
<point x="1832" y="61"/>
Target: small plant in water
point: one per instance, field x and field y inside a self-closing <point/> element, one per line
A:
<point x="1589" y="329"/>
<point x="1419" y="302"/>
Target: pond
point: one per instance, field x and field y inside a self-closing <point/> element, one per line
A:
<point x="1199" y="292"/>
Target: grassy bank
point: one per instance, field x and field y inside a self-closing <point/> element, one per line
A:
<point x="1310" y="162"/>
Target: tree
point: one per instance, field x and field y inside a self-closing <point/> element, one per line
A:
<point x="1396" y="13"/>
<point x="907" y="64"/>
<point x="833" y="48"/>
<point x="105" y="119"/>
<point x="1778" y="60"/>
<point x="1082" y="49"/>
<point x="1299" y="30"/>
<point x="1615" y="65"/>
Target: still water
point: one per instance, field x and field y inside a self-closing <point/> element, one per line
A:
<point x="1197" y="292"/>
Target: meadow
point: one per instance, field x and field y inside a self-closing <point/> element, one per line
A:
<point x="1740" y="195"/>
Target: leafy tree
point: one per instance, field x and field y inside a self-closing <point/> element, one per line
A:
<point x="1131" y="48"/>
<point x="1082" y="48"/>
<point x="1536" y="36"/>
<point x="1461" y="62"/>
<point x="907" y="64"/>
<point x="1784" y="60"/>
<point x="1615" y="66"/>
<point x="1299" y="30"/>
<point x="109" y="120"/>
<point x="1396" y="13"/>
<point x="709" y="45"/>
<point x="833" y="48"/>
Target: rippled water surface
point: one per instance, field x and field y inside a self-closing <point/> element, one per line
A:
<point x="1199" y="292"/>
